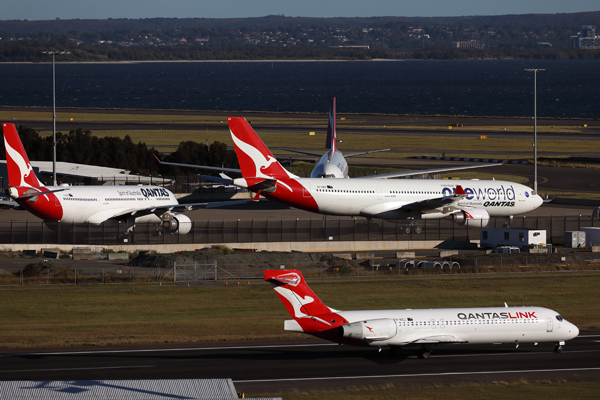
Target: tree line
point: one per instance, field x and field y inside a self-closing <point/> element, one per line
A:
<point x="22" y="52"/>
<point x="82" y="147"/>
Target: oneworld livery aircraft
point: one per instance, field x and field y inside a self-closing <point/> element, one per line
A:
<point x="332" y="164"/>
<point x="425" y="327"/>
<point x="472" y="202"/>
<point x="90" y="204"/>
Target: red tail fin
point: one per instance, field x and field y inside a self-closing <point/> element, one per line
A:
<point x="254" y="157"/>
<point x="331" y="129"/>
<point x="19" y="168"/>
<point x="295" y="294"/>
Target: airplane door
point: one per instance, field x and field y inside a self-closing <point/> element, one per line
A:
<point x="379" y="194"/>
<point x="433" y="323"/>
<point x="549" y="325"/>
<point x="306" y="190"/>
<point x="442" y="323"/>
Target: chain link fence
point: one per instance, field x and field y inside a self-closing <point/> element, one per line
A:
<point x="277" y="230"/>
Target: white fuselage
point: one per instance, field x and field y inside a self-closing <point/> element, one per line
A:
<point x="95" y="204"/>
<point x="471" y="325"/>
<point x="383" y="197"/>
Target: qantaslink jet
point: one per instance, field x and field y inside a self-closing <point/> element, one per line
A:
<point x="424" y="328"/>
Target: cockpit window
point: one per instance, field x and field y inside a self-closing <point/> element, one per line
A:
<point x="558" y="317"/>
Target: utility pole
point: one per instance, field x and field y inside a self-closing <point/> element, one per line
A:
<point x="535" y="180"/>
<point x="53" y="53"/>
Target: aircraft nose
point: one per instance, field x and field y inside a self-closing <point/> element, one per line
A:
<point x="537" y="200"/>
<point x="574" y="330"/>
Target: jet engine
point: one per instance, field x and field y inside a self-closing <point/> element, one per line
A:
<point x="176" y="223"/>
<point x="374" y="329"/>
<point x="472" y="217"/>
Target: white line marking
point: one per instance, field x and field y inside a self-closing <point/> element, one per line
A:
<point x="515" y="353"/>
<point x="162" y="350"/>
<point x="77" y="369"/>
<point x="418" y="375"/>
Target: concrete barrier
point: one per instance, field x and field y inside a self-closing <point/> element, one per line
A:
<point x="405" y="254"/>
<point x="51" y="253"/>
<point x="118" y="256"/>
<point x="365" y="256"/>
<point x="343" y="256"/>
<point x="448" y="253"/>
<point x="595" y="249"/>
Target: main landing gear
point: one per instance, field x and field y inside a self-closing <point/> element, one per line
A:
<point x="424" y="353"/>
<point x="412" y="228"/>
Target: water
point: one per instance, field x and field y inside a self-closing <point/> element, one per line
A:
<point x="477" y="88"/>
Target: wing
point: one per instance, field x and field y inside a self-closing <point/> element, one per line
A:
<point x="431" y="171"/>
<point x="436" y="339"/>
<point x="365" y="152"/>
<point x="423" y="206"/>
<point x="120" y="213"/>
<point x="9" y="203"/>
<point x="222" y="169"/>
<point x="303" y="152"/>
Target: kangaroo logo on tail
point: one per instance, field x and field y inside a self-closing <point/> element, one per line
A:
<point x="256" y="161"/>
<point x="295" y="294"/>
<point x="20" y="172"/>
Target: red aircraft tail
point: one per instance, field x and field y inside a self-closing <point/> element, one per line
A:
<point x="256" y="161"/>
<point x="20" y="172"/>
<point x="331" y="128"/>
<point x="295" y="294"/>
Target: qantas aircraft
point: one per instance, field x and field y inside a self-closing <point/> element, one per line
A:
<point x="89" y="204"/>
<point x="472" y="202"/>
<point x="332" y="164"/>
<point x="424" y="327"/>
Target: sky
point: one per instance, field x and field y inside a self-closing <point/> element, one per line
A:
<point x="82" y="9"/>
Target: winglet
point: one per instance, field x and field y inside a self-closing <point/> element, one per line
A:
<point x="459" y="190"/>
<point x="505" y="161"/>
<point x="157" y="159"/>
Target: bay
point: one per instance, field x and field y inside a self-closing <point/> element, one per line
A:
<point x="566" y="89"/>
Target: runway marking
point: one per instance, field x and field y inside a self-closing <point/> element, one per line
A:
<point x="513" y="354"/>
<point x="76" y="369"/>
<point x="418" y="375"/>
<point x="161" y="350"/>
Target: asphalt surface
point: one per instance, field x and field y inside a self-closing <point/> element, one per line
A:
<point x="285" y="366"/>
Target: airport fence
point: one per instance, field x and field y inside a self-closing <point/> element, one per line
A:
<point x="276" y="230"/>
<point x="48" y="273"/>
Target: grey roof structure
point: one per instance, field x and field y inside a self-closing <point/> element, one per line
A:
<point x="152" y="389"/>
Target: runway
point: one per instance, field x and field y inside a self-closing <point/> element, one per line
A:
<point x="284" y="366"/>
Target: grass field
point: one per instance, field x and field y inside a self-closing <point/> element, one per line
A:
<point x="522" y="390"/>
<point x="124" y="314"/>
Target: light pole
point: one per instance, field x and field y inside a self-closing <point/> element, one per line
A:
<point x="54" y="111"/>
<point x="535" y="71"/>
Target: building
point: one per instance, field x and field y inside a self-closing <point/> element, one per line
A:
<point x="471" y="44"/>
<point x="587" y="38"/>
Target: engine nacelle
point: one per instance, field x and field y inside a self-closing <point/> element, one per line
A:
<point x="374" y="329"/>
<point x="177" y="223"/>
<point x="472" y="217"/>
